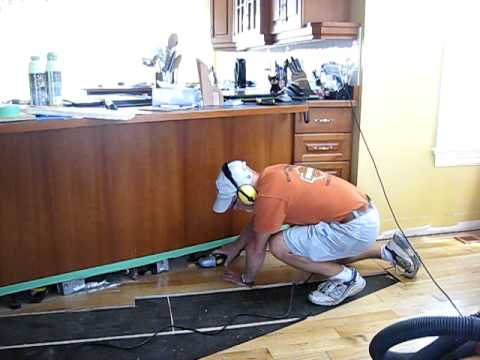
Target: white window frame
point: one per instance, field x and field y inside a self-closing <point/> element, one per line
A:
<point x="458" y="131"/>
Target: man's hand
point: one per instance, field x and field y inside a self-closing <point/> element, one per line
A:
<point x="230" y="253"/>
<point x="235" y="278"/>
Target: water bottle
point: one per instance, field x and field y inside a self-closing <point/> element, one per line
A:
<point x="38" y="82"/>
<point x="54" y="80"/>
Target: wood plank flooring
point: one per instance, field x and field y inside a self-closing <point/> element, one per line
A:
<point x="345" y="332"/>
<point x="342" y="333"/>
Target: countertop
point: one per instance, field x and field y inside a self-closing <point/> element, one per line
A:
<point x="159" y="116"/>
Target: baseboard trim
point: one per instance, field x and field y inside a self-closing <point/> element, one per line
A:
<point x="435" y="230"/>
<point x="108" y="268"/>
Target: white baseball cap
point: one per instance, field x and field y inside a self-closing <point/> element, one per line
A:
<point x="227" y="192"/>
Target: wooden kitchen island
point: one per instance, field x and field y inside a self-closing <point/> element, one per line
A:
<point x="85" y="197"/>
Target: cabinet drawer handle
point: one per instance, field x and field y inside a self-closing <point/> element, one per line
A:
<point x="323" y="120"/>
<point x="321" y="147"/>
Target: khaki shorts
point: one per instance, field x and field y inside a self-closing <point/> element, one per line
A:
<point x="333" y="241"/>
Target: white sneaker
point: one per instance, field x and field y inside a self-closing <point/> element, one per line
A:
<point x="333" y="292"/>
<point x="403" y="255"/>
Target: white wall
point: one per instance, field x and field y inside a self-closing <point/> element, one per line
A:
<point x="99" y="41"/>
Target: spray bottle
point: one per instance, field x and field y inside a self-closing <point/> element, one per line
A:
<point x="54" y="80"/>
<point x="38" y="82"/>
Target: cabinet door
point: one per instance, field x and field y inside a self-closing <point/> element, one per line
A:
<point x="252" y="20"/>
<point x="301" y="20"/>
<point x="326" y="10"/>
<point x="221" y="12"/>
<point x="286" y="15"/>
<point x="247" y="16"/>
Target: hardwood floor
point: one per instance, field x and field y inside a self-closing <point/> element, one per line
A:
<point x="345" y="332"/>
<point x="342" y="333"/>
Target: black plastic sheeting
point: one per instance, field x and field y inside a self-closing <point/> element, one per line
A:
<point x="193" y="311"/>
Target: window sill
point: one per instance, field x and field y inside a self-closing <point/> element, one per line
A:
<point x="448" y="158"/>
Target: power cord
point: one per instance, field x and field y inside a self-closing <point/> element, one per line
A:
<point x="206" y="333"/>
<point x="350" y="96"/>
<point x="293" y="285"/>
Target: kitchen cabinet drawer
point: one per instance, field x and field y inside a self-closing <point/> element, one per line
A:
<point x="337" y="168"/>
<point x="325" y="120"/>
<point x="322" y="147"/>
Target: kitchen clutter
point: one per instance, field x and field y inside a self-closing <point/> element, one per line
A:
<point x="45" y="83"/>
<point x="166" y="62"/>
<point x="335" y="81"/>
<point x="291" y="80"/>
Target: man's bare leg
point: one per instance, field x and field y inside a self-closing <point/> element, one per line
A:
<point x="279" y="249"/>
<point x="373" y="252"/>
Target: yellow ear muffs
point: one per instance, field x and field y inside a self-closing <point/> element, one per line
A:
<point x="247" y="194"/>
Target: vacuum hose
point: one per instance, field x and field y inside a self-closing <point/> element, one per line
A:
<point x="452" y="331"/>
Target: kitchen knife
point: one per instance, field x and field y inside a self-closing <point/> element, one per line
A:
<point x="171" y="60"/>
<point x="176" y="62"/>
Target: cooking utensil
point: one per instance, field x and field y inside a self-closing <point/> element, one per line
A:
<point x="172" y="40"/>
<point x="176" y="62"/>
<point x="171" y="60"/>
<point x="171" y="44"/>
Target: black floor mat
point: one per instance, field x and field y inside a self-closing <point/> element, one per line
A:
<point x="198" y="311"/>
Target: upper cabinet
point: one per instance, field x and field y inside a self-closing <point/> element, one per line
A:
<point x="242" y="24"/>
<point x="286" y="15"/>
<point x="300" y="20"/>
<point x="251" y="23"/>
<point x="221" y="20"/>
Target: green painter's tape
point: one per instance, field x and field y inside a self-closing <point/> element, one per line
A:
<point x="121" y="265"/>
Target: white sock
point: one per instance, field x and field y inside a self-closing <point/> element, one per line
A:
<point x="386" y="254"/>
<point x="345" y="275"/>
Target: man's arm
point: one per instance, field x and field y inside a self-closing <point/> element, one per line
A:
<point x="255" y="245"/>
<point x="233" y="249"/>
<point x="256" y="251"/>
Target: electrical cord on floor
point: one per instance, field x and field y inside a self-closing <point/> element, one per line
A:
<point x="206" y="333"/>
<point x="350" y="96"/>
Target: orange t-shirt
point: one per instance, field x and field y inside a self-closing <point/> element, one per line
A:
<point x="300" y="195"/>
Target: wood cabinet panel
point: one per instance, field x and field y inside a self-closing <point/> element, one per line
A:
<point x="326" y="10"/>
<point x="220" y="21"/>
<point x="242" y="24"/>
<point x="83" y="197"/>
<point x="251" y="23"/>
<point x="221" y="17"/>
<point x="325" y="120"/>
<point x="286" y="15"/>
<point x="337" y="168"/>
<point x="322" y="147"/>
<point x="304" y="20"/>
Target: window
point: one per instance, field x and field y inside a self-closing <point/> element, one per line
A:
<point x="458" y="132"/>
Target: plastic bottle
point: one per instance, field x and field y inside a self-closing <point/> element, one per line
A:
<point x="38" y="82"/>
<point x="54" y="80"/>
